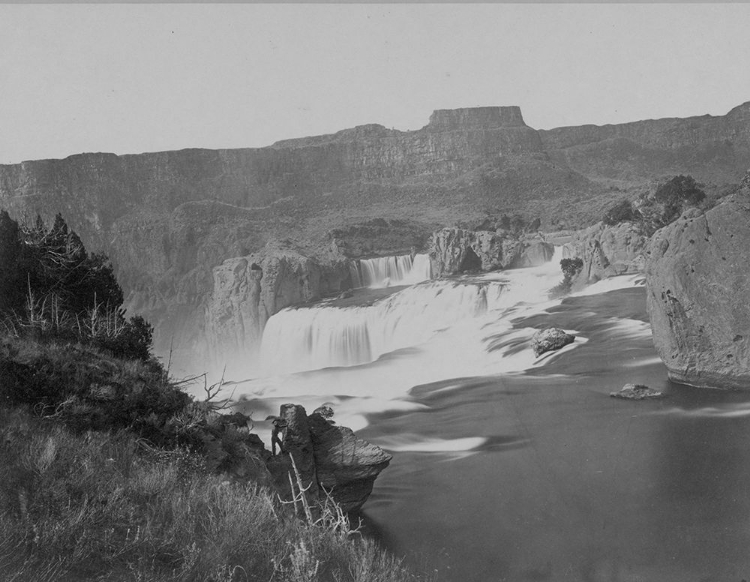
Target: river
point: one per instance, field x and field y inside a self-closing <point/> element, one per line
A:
<point x="511" y="468"/>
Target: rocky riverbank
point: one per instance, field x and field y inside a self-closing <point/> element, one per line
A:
<point x="698" y="287"/>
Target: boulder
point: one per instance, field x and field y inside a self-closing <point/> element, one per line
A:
<point x="698" y="284"/>
<point x="550" y="339"/>
<point x="636" y="392"/>
<point x="346" y="465"/>
<point x="330" y="459"/>
<point x="607" y="251"/>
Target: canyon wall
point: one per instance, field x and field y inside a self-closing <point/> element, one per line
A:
<point x="457" y="250"/>
<point x="167" y="219"/>
<point x="248" y="290"/>
<point x="607" y="251"/>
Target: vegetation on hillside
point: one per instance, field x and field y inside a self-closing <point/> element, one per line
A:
<point x="52" y="288"/>
<point x="100" y="506"/>
<point x="652" y="211"/>
<point x="112" y="471"/>
<point x="570" y="269"/>
<point x="515" y="224"/>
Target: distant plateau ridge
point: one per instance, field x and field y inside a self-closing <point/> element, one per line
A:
<point x="295" y="212"/>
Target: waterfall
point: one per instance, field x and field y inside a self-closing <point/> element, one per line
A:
<point x="317" y="337"/>
<point x="310" y="338"/>
<point x="391" y="271"/>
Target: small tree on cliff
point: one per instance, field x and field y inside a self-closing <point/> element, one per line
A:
<point x="570" y="269"/>
<point x="676" y="195"/>
<point x="11" y="293"/>
<point x="55" y="262"/>
<point x="51" y="286"/>
<point x="623" y="211"/>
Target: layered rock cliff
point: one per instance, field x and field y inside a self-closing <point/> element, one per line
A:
<point x="698" y="283"/>
<point x="457" y="250"/>
<point x="708" y="147"/>
<point x="248" y="290"/>
<point x="607" y="251"/>
<point x="167" y="219"/>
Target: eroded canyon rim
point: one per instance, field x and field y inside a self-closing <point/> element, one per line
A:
<point x="168" y="219"/>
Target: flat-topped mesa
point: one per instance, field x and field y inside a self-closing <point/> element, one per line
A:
<point x="475" y="118"/>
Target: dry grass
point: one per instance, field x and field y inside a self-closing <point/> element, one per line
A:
<point x="98" y="507"/>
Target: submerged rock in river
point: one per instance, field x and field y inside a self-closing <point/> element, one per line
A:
<point x="552" y="338"/>
<point x="636" y="392"/>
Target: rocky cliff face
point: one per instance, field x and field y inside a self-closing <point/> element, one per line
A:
<point x="248" y="290"/>
<point x="698" y="283"/>
<point x="456" y="250"/>
<point x="167" y="219"/>
<point x="708" y="147"/>
<point x="607" y="251"/>
<point x="329" y="459"/>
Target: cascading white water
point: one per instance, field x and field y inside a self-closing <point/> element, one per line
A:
<point x="368" y="358"/>
<point x="391" y="271"/>
<point x="319" y="337"/>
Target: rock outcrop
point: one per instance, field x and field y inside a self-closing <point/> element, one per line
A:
<point x="550" y="339"/>
<point x="698" y="284"/>
<point x="457" y="250"/>
<point x="636" y="392"/>
<point x="330" y="460"/>
<point x="607" y="251"/>
<point x="248" y="290"/>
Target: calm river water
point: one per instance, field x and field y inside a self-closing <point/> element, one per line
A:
<point x="572" y="484"/>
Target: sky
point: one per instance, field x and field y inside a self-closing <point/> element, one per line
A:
<point x="134" y="78"/>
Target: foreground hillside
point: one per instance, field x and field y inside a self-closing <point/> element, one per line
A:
<point x="167" y="219"/>
<point x="81" y="505"/>
<point x="113" y="472"/>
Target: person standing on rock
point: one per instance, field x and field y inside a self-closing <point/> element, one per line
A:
<point x="279" y="426"/>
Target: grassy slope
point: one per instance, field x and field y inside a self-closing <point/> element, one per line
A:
<point x="90" y="505"/>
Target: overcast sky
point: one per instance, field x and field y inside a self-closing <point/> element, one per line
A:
<point x="135" y="78"/>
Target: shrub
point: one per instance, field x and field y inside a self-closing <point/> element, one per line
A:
<point x="623" y="211"/>
<point x="52" y="289"/>
<point x="570" y="269"/>
<point x="669" y="201"/>
<point x="87" y="389"/>
<point x="676" y="195"/>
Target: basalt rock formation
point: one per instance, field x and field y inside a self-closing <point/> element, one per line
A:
<point x="329" y="459"/>
<point x="550" y="339"/>
<point x="607" y="251"/>
<point x="167" y="219"/>
<point x="248" y="290"/>
<point x="698" y="284"/>
<point x="457" y="250"/>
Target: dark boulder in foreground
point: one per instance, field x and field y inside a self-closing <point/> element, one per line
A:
<point x="346" y="466"/>
<point x="636" y="392"/>
<point x="550" y="339"/>
<point x="698" y="285"/>
<point x="330" y="460"/>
